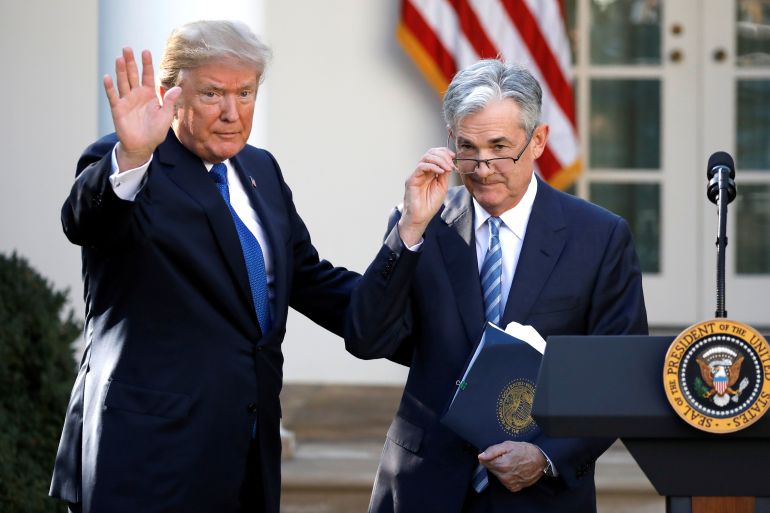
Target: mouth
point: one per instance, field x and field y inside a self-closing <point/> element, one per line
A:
<point x="484" y="182"/>
<point x="228" y="135"/>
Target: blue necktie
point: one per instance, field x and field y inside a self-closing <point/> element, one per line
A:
<point x="492" y="274"/>
<point x="252" y="252"/>
<point x="491" y="286"/>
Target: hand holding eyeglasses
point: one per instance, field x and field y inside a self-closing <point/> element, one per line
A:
<point x="424" y="193"/>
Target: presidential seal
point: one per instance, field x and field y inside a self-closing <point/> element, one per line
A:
<point x="717" y="375"/>
<point x="514" y="407"/>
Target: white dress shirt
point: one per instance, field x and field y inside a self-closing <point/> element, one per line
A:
<point x="512" y="231"/>
<point x="128" y="184"/>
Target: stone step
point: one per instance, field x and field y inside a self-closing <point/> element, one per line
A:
<point x="339" y="432"/>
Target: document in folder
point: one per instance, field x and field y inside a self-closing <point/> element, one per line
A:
<point x="493" y="399"/>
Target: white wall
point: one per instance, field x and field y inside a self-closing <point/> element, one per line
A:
<point x="343" y="109"/>
<point x="349" y="116"/>
<point x="48" y="55"/>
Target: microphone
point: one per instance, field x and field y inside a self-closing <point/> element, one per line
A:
<point x="721" y="191"/>
<point x="720" y="162"/>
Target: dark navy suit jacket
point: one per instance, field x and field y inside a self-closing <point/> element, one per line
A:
<point x="176" y="369"/>
<point x="578" y="274"/>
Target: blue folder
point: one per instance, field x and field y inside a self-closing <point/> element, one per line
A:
<point x="493" y="399"/>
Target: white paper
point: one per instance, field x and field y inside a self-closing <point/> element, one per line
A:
<point x="528" y="334"/>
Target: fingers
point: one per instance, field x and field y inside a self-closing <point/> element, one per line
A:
<point x="436" y="160"/>
<point x="127" y="72"/>
<point x="109" y="88"/>
<point x="516" y="465"/>
<point x="148" y="73"/>
<point x="121" y="76"/>
<point x="494" y="452"/>
<point x="132" y="70"/>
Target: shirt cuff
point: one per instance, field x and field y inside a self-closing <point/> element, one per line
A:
<point x="127" y="184"/>
<point x="415" y="248"/>
<point x="550" y="463"/>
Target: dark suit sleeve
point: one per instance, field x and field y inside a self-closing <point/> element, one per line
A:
<point x="617" y="304"/>
<point x="92" y="215"/>
<point x="379" y="319"/>
<point x="617" y="308"/>
<point x="319" y="290"/>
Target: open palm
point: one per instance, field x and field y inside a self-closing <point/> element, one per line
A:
<point x="141" y="120"/>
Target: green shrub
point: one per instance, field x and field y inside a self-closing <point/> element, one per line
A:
<point x="36" y="374"/>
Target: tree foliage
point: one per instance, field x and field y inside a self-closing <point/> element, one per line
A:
<point x="36" y="374"/>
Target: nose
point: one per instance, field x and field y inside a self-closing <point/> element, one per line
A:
<point x="484" y="170"/>
<point x="229" y="109"/>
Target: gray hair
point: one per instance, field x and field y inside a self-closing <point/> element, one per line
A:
<point x="197" y="43"/>
<point x="477" y="85"/>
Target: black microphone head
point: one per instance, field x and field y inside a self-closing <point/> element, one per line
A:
<point x="720" y="160"/>
<point x="717" y="159"/>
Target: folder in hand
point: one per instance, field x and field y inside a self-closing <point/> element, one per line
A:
<point x="493" y="399"/>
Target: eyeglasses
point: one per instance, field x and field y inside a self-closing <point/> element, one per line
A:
<point x="468" y="166"/>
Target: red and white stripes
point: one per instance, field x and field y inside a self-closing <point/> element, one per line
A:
<point x="443" y="36"/>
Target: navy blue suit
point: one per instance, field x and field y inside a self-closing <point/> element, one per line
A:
<point x="176" y="370"/>
<point x="577" y="274"/>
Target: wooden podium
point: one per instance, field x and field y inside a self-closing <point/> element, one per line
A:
<point x="611" y="386"/>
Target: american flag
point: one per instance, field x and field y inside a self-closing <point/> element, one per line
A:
<point x="444" y="36"/>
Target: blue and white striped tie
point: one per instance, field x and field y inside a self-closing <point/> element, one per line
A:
<point x="492" y="274"/>
<point x="491" y="286"/>
<point x="480" y="478"/>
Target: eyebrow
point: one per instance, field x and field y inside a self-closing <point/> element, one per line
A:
<point x="501" y="139"/>
<point x="214" y="86"/>
<point x="493" y="141"/>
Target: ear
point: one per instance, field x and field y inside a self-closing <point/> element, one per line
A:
<point x="539" y="139"/>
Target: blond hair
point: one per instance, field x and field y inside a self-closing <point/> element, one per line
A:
<point x="200" y="42"/>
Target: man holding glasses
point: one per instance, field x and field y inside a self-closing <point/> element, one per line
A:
<point x="503" y="247"/>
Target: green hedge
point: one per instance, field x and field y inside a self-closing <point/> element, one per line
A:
<point x="36" y="373"/>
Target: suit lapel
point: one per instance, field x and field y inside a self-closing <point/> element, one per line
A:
<point x="189" y="174"/>
<point x="265" y="196"/>
<point x="459" y="253"/>
<point x="543" y="243"/>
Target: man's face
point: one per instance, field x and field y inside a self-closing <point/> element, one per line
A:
<point x="495" y="131"/>
<point x="216" y="109"/>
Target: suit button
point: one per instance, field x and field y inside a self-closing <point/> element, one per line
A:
<point x="252" y="407"/>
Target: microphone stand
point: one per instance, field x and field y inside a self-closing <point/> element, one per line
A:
<point x="722" y="201"/>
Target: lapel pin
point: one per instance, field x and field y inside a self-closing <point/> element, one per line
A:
<point x="253" y="183"/>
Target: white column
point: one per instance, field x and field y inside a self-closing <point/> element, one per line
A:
<point x="146" y="24"/>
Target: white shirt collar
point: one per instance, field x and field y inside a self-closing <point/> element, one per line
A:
<point x="515" y="219"/>
<point x="209" y="165"/>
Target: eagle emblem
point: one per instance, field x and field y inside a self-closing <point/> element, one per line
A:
<point x="514" y="407"/>
<point x="720" y="369"/>
<point x="716" y="375"/>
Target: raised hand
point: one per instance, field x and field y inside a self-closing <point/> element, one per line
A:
<point x="424" y="193"/>
<point x="516" y="465"/>
<point x="141" y="121"/>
